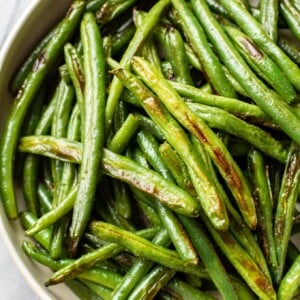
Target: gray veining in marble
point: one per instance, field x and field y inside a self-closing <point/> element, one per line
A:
<point x="12" y="284"/>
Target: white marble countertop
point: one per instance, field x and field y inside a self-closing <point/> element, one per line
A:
<point x="12" y="284"/>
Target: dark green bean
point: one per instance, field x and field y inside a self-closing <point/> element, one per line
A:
<point x="264" y="203"/>
<point x="285" y="208"/>
<point x="13" y="124"/>
<point x="93" y="133"/>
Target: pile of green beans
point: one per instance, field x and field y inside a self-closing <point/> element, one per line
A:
<point x="157" y="146"/>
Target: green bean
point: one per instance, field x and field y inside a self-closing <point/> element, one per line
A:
<point x="290" y="49"/>
<point x="213" y="204"/>
<point x="144" y="248"/>
<point x="30" y="168"/>
<point x="255" y="31"/>
<point x="237" y="107"/>
<point x="45" y="197"/>
<point x="174" y="49"/>
<point x="262" y="64"/>
<point x="17" y="113"/>
<point x="64" y="103"/>
<point x="147" y="124"/>
<point x="103" y="292"/>
<point x="209" y="60"/>
<point x="55" y="214"/>
<point x="292" y="16"/>
<point x="290" y="282"/>
<point x="275" y="107"/>
<point x="149" y="147"/>
<point x="262" y="195"/>
<point x="261" y="139"/>
<point x="93" y="5"/>
<point x="186" y="291"/>
<point x="176" y="167"/>
<point x="43" y="237"/>
<point x="138" y="270"/>
<point x="213" y="145"/>
<point x="125" y="133"/>
<point x="116" y="166"/>
<point x="89" y="259"/>
<point x="241" y="260"/>
<point x="151" y="284"/>
<point x="93" y="133"/>
<point x="269" y="17"/>
<point x="30" y="200"/>
<point x="242" y="290"/>
<point x="111" y="9"/>
<point x="75" y="70"/>
<point x="237" y="226"/>
<point x="285" y="208"/>
<point x="121" y="39"/>
<point x="177" y="234"/>
<point x="139" y="37"/>
<point x="83" y="290"/>
<point x="123" y="199"/>
<point x="209" y="258"/>
<point x="20" y="77"/>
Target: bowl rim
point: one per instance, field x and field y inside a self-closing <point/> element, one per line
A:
<point x="40" y="291"/>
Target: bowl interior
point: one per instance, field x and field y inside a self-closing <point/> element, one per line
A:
<point x="35" y="22"/>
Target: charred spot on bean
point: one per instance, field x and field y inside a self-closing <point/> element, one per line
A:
<point x="70" y="10"/>
<point x="252" y="49"/>
<point x="39" y="62"/>
<point x="233" y="177"/>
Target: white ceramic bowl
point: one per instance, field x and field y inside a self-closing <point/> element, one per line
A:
<point x="37" y="19"/>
